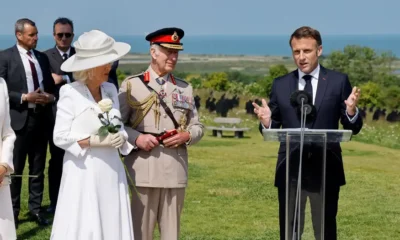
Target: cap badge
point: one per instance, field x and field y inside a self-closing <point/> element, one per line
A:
<point x="174" y="37"/>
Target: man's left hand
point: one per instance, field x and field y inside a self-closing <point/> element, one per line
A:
<point x="176" y="140"/>
<point x="352" y="100"/>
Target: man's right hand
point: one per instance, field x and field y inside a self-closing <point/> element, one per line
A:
<point x="146" y="142"/>
<point x="33" y="97"/>
<point x="263" y="113"/>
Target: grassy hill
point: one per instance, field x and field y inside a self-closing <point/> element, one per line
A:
<point x="231" y="194"/>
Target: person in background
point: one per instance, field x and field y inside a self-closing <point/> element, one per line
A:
<point x="32" y="94"/>
<point x="113" y="76"/>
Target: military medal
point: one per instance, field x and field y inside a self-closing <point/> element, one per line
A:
<point x="182" y="101"/>
<point x="162" y="94"/>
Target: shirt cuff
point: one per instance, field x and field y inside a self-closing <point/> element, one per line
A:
<point x="354" y="118"/>
<point x="66" y="78"/>
<point x="269" y="127"/>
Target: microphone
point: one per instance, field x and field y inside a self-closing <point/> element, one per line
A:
<point x="299" y="98"/>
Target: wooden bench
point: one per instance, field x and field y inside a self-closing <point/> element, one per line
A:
<point x="228" y="125"/>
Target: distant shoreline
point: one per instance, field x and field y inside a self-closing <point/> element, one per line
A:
<point x="241" y="45"/>
<point x="140" y="58"/>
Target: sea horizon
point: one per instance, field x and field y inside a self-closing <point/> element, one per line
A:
<point x="250" y="45"/>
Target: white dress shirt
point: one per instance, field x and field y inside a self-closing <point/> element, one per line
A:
<point x="314" y="81"/>
<point x="65" y="77"/>
<point x="28" y="72"/>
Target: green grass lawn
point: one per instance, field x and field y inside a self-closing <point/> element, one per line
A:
<point x="231" y="194"/>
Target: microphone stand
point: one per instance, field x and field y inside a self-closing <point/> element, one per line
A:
<point x="297" y="211"/>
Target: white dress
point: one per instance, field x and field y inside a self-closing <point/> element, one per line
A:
<point x="93" y="203"/>
<point x="7" y="138"/>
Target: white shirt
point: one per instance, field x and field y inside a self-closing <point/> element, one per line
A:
<point x="62" y="52"/>
<point x="28" y="72"/>
<point x="314" y="81"/>
<point x="66" y="77"/>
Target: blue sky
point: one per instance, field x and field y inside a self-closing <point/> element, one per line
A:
<point x="208" y="17"/>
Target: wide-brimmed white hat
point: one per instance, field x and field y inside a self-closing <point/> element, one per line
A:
<point x="93" y="49"/>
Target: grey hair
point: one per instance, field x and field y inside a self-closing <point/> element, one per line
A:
<point x="156" y="47"/>
<point x="20" y="24"/>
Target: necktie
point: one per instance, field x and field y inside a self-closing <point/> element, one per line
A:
<point x="308" y="88"/>
<point x="65" y="57"/>
<point x="34" y="73"/>
<point x="160" y="80"/>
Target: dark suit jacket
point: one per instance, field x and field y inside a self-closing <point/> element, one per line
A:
<point x="333" y="88"/>
<point x="112" y="76"/>
<point x="12" y="70"/>
<point x="56" y="60"/>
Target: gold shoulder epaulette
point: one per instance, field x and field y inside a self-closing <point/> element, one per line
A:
<point x="143" y="107"/>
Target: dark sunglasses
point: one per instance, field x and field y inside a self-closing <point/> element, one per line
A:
<point x="67" y="35"/>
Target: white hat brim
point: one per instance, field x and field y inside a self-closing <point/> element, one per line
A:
<point x="76" y="63"/>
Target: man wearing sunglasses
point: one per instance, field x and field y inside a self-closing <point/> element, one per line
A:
<point x="63" y="32"/>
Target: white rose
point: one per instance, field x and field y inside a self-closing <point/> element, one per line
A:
<point x="105" y="105"/>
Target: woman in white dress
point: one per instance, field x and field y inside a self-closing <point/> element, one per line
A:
<point x="7" y="138"/>
<point x="93" y="203"/>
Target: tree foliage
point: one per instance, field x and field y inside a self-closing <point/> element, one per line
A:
<point x="361" y="64"/>
<point x="217" y="81"/>
<point x="275" y="71"/>
<point x="371" y="71"/>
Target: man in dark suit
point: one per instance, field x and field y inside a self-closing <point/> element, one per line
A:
<point x="113" y="76"/>
<point x="63" y="32"/>
<point x="31" y="91"/>
<point x="334" y="101"/>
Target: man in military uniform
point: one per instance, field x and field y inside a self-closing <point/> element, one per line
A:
<point x="154" y="105"/>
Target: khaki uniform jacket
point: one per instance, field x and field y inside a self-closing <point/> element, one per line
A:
<point x="162" y="167"/>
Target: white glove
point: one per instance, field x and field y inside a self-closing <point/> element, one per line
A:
<point x="97" y="141"/>
<point x="117" y="139"/>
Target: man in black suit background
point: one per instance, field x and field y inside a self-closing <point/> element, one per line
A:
<point x="63" y="33"/>
<point x="31" y="90"/>
<point x="335" y="101"/>
<point x="112" y="75"/>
